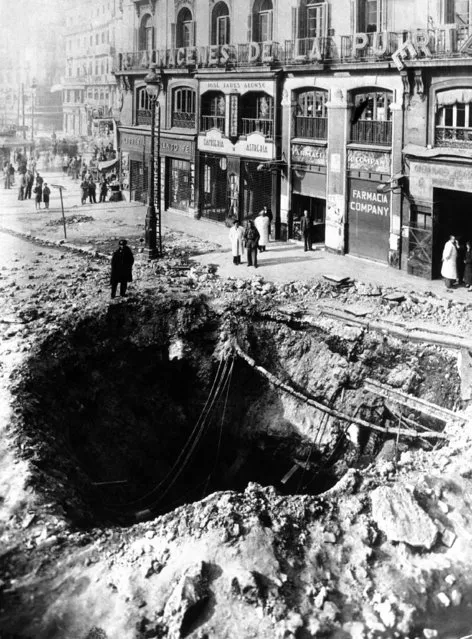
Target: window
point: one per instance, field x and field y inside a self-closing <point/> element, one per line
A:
<point x="310" y="19"/>
<point x="257" y="114"/>
<point x="185" y="30"/>
<point x="262" y="21"/>
<point x="220" y="24"/>
<point x="143" y="107"/>
<point x="103" y="37"/>
<point x="311" y="114"/>
<point x="97" y="38"/>
<point x="370" y="15"/>
<point x="454" y="118"/>
<point x="146" y="34"/>
<point x="183" y="111"/>
<point x="372" y="118"/>
<point x="180" y="188"/>
<point x="457" y="12"/>
<point x="213" y="111"/>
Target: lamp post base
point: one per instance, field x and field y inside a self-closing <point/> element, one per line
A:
<point x="150" y="229"/>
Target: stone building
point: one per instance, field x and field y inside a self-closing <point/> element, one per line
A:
<point x="356" y="110"/>
<point x="90" y="95"/>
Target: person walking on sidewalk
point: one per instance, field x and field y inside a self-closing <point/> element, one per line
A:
<point x="29" y="184"/>
<point x="46" y="194"/>
<point x="121" y="268"/>
<point x="449" y="262"/>
<point x="305" y="228"/>
<point x="84" y="191"/>
<point x="22" y="188"/>
<point x="468" y="265"/>
<point x="38" y="195"/>
<point x="92" y="189"/>
<point x="236" y="237"/>
<point x="103" y="190"/>
<point x="262" y="225"/>
<point x="251" y="237"/>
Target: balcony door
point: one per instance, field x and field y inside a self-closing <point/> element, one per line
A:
<point x="220" y="26"/>
<point x="262" y="21"/>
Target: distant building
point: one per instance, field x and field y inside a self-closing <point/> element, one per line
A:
<point x="357" y="110"/>
<point x="89" y="86"/>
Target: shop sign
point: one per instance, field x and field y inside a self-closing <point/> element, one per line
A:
<point x="425" y="176"/>
<point x="254" y="146"/>
<point x="368" y="161"/>
<point x="177" y="148"/>
<point x="364" y="198"/>
<point x="132" y="141"/>
<point x="308" y="154"/>
<point x="237" y="86"/>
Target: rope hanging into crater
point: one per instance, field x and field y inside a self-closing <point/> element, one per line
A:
<point x="274" y="381"/>
<point x="220" y="382"/>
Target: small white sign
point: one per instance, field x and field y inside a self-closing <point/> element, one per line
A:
<point x="335" y="163"/>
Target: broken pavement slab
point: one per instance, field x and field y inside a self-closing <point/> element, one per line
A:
<point x="400" y="517"/>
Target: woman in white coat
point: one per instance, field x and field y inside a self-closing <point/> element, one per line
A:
<point x="236" y="237"/>
<point x="449" y="262"/>
<point x="262" y="224"/>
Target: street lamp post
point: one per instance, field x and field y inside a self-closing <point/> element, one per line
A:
<point x="33" y="97"/>
<point x="152" y="228"/>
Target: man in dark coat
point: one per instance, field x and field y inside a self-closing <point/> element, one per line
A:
<point x="92" y="190"/>
<point x="121" y="268"/>
<point x="305" y="228"/>
<point x="251" y="236"/>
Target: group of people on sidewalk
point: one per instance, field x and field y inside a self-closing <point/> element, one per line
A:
<point x="25" y="181"/>
<point x="457" y="264"/>
<point x="254" y="237"/>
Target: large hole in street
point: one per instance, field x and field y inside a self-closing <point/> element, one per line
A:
<point x="134" y="413"/>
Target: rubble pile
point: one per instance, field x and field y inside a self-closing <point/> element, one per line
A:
<point x="377" y="545"/>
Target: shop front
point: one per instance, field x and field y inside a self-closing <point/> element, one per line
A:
<point x="440" y="205"/>
<point x="369" y="204"/>
<point x="178" y="187"/>
<point x="137" y="146"/>
<point x="308" y="180"/>
<point x="236" y="148"/>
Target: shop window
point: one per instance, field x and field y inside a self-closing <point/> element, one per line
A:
<point x="143" y="107"/>
<point x="180" y="189"/>
<point x="220" y="24"/>
<point x="183" y="108"/>
<point x="454" y="118"/>
<point x="370" y="15"/>
<point x="257" y="114"/>
<point x="213" y="111"/>
<point x="184" y="30"/>
<point x="146" y="34"/>
<point x="261" y="21"/>
<point x="371" y="121"/>
<point x="311" y="115"/>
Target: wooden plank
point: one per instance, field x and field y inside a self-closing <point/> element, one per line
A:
<point x="415" y="403"/>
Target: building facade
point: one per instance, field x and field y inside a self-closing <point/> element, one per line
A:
<point x="357" y="111"/>
<point x="90" y="95"/>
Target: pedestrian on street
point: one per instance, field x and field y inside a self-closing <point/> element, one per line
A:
<point x="236" y="237"/>
<point x="46" y="194"/>
<point x="262" y="225"/>
<point x="6" y="175"/>
<point x="251" y="237"/>
<point x="11" y="169"/>
<point x="268" y="212"/>
<point x="38" y="196"/>
<point x="39" y="180"/>
<point x="103" y="190"/>
<point x="84" y="191"/>
<point x="92" y="190"/>
<point x="305" y="228"/>
<point x="468" y="265"/>
<point x="121" y="268"/>
<point x="22" y="188"/>
<point x="449" y="262"/>
<point x="29" y="184"/>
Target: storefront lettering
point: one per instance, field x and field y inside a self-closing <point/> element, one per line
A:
<point x="372" y="161"/>
<point x="257" y="148"/>
<point x="215" y="55"/>
<point x="369" y="202"/>
<point x="309" y="154"/>
<point x="213" y="143"/>
<point x="176" y="147"/>
<point x="132" y="140"/>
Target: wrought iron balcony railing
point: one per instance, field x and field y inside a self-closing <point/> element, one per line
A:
<point x="308" y="127"/>
<point x="213" y="122"/>
<point x="184" y="120"/>
<point x="257" y="125"/>
<point x="372" y="132"/>
<point x="453" y="136"/>
<point x="144" y="117"/>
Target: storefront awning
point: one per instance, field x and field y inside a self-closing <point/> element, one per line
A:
<point x="453" y="96"/>
<point x="103" y="166"/>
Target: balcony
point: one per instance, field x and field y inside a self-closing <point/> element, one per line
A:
<point x="257" y="125"/>
<point x="213" y="122"/>
<point x="143" y="117"/>
<point x="453" y="136"/>
<point x="372" y="132"/>
<point x="183" y="120"/>
<point x="313" y="128"/>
